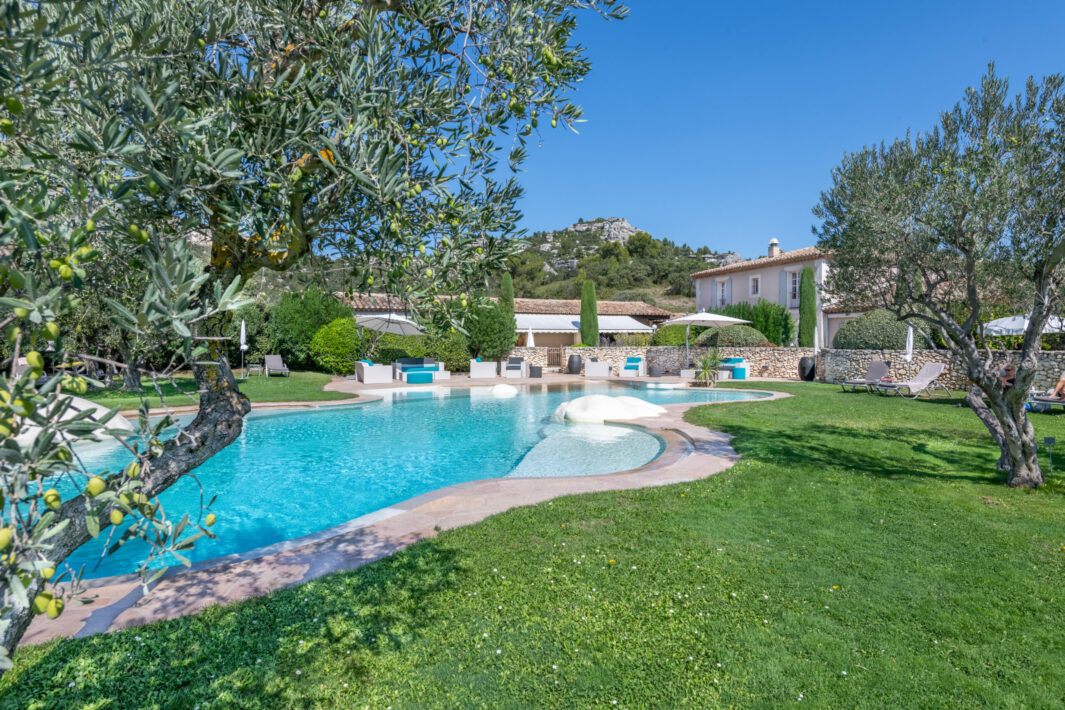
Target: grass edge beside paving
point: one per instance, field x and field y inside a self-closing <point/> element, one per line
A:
<point x="637" y="596"/>
<point x="299" y="386"/>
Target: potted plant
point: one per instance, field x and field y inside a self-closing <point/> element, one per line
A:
<point x="706" y="371"/>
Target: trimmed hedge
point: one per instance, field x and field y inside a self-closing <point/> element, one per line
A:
<point x="874" y="330"/>
<point x="452" y="349"/>
<point x="492" y="332"/>
<point x="336" y="348"/>
<point x="674" y="335"/>
<point x="734" y="336"/>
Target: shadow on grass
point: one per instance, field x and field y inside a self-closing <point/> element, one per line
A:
<point x="244" y="654"/>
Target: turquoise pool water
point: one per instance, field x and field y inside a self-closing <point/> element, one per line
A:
<point x="293" y="473"/>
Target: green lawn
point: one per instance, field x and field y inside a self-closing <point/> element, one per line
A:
<point x="862" y="554"/>
<point x="298" y="387"/>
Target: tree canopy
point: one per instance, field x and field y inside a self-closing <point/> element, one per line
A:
<point x="938" y="226"/>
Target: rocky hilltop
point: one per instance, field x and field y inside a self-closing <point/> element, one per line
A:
<point x="608" y="229"/>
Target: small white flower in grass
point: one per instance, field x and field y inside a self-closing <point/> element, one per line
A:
<point x="314" y="620"/>
<point x="258" y="660"/>
<point x="299" y="672"/>
<point x="71" y="684"/>
<point x="715" y="680"/>
<point x="345" y="685"/>
<point x="718" y="665"/>
<point x="500" y="608"/>
<point x="765" y="621"/>
<point x="301" y="643"/>
<point x="765" y="596"/>
<point x="844" y="672"/>
<point x="499" y="651"/>
<point x="800" y="696"/>
<point x="734" y="594"/>
<point x="494" y="569"/>
<point x="554" y="667"/>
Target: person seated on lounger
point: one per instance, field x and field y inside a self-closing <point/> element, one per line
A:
<point x="1058" y="391"/>
<point x="1008" y="377"/>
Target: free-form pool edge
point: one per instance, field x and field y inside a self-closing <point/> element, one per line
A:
<point x="691" y="453"/>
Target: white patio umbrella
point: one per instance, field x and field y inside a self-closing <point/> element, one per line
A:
<point x="530" y="340"/>
<point x="389" y="323"/>
<point x="710" y="320"/>
<point x="243" y="344"/>
<point x="1018" y="325"/>
<point x="908" y="355"/>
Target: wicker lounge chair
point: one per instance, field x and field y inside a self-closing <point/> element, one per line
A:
<point x="877" y="370"/>
<point x="927" y="380"/>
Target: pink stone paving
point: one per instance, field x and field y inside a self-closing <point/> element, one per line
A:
<point x="692" y="453"/>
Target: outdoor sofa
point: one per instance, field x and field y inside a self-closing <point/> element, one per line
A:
<point x="514" y="367"/>
<point x="598" y="368"/>
<point x="633" y="367"/>
<point x="483" y="370"/>
<point x="419" y="370"/>
<point x="370" y="374"/>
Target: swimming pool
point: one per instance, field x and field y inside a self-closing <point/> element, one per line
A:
<point x="293" y="473"/>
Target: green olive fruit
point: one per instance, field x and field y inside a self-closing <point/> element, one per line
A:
<point x="47" y="572"/>
<point x="7" y="127"/>
<point x="14" y="105"/>
<point x="52" y="499"/>
<point x="51" y="329"/>
<point x="66" y="273"/>
<point x="96" y="486"/>
<point x="55" y="608"/>
<point x="90" y="226"/>
<point x="41" y="601"/>
<point x="16" y="279"/>
<point x="22" y="312"/>
<point x="7" y="534"/>
<point x="210" y="519"/>
<point x="117" y="517"/>
<point x="34" y="360"/>
<point x="134" y="469"/>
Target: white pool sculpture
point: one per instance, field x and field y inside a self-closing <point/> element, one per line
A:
<point x="504" y="391"/>
<point x="597" y="408"/>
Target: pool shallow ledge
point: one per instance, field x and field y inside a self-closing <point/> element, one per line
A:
<point x="691" y="453"/>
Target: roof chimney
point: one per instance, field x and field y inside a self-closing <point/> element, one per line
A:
<point x="774" y="247"/>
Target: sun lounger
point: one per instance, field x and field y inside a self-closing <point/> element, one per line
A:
<point x="927" y="380"/>
<point x="877" y="370"/>
<point x="274" y="363"/>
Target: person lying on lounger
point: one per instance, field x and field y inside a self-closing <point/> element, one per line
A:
<point x="1058" y="391"/>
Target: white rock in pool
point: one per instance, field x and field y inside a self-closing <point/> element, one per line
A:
<point x="504" y="391"/>
<point x="596" y="408"/>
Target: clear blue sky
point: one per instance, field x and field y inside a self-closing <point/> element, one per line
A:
<point x="718" y="123"/>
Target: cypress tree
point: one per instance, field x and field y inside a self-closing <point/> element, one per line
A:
<point x="589" y="315"/>
<point x="807" y="308"/>
<point x="506" y="293"/>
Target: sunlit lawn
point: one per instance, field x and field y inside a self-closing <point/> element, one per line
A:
<point x="299" y="386"/>
<point x="864" y="553"/>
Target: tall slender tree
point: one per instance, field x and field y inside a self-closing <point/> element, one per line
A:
<point x="807" y="307"/>
<point x="589" y="314"/>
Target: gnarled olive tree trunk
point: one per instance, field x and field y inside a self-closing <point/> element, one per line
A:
<point x="218" y="423"/>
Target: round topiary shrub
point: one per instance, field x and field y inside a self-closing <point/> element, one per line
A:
<point x="731" y="336"/>
<point x="492" y="333"/>
<point x="674" y="335"/>
<point x="335" y="347"/>
<point x="873" y="330"/>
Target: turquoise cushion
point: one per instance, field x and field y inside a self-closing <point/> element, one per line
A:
<point x="739" y="373"/>
<point x="633" y="359"/>
<point x="732" y="360"/>
<point x="420" y="377"/>
<point x="477" y="359"/>
<point x="368" y="362"/>
<point x="419" y="368"/>
<point x="632" y="367"/>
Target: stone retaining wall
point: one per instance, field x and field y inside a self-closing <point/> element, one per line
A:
<point x="840" y="365"/>
<point x="832" y="365"/>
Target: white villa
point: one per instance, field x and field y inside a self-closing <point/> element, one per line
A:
<point x="774" y="277"/>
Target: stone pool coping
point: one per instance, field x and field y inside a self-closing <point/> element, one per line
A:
<point x="691" y="453"/>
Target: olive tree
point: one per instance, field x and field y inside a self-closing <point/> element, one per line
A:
<point x="263" y="132"/>
<point x="938" y="227"/>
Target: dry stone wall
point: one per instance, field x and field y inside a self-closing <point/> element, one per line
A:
<point x="783" y="363"/>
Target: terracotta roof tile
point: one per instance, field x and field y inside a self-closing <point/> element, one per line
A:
<point x="385" y="302"/>
<point x="787" y="257"/>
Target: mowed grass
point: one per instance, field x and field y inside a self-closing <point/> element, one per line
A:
<point x="864" y="553"/>
<point x="298" y="387"/>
